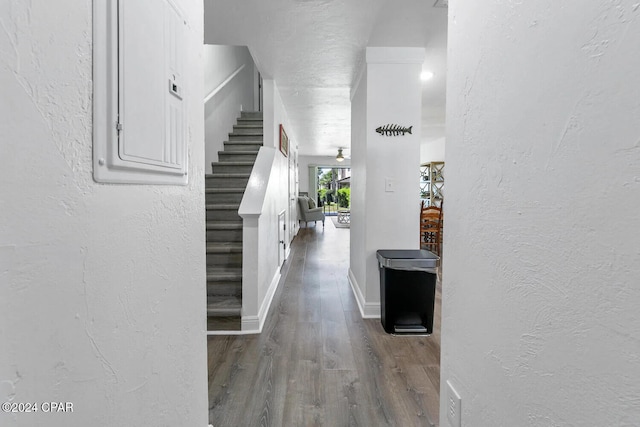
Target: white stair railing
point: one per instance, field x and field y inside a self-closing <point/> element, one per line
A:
<point x="260" y="273"/>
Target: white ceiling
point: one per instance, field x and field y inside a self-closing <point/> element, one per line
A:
<point x="313" y="49"/>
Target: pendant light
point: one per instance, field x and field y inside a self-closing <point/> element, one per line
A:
<point x="339" y="157"/>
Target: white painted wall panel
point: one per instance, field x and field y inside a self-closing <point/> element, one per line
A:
<point x="138" y="89"/>
<point x="540" y="275"/>
<point x="142" y="80"/>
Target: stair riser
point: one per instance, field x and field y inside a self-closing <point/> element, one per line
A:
<point x="240" y="183"/>
<point x="247" y="130"/>
<point x="224" y="236"/>
<point x="222" y="168"/>
<point x="242" y="147"/>
<point x="236" y="157"/>
<point x="223" y="313"/>
<point x="223" y="215"/>
<point x="224" y="289"/>
<point x="232" y="323"/>
<point x="249" y="123"/>
<point x="256" y="115"/>
<point x="246" y="137"/>
<point x="211" y="198"/>
<point x="229" y="259"/>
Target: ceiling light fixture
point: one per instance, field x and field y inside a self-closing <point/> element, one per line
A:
<point x="339" y="157"/>
<point x="426" y="75"/>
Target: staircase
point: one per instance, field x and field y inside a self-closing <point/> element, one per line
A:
<point x="223" y="193"/>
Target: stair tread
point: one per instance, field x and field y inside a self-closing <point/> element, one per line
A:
<point x="227" y="175"/>
<point x="223" y="190"/>
<point x="223" y="302"/>
<point x="222" y="273"/>
<point x="224" y="269"/>
<point x="224" y="225"/>
<point x="234" y="152"/>
<point x="220" y="247"/>
<point x="222" y="206"/>
<point x="232" y="163"/>
<point x="215" y="312"/>
<point x="243" y="142"/>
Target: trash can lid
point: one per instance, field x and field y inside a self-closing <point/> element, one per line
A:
<point x="407" y="259"/>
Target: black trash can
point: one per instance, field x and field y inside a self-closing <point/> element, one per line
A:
<point x="407" y="290"/>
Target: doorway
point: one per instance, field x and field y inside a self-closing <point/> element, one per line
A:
<point x="333" y="189"/>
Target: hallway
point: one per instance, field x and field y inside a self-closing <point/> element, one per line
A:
<point x="317" y="362"/>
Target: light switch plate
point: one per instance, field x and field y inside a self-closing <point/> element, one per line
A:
<point x="389" y="185"/>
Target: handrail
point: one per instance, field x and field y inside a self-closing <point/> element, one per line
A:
<point x="254" y="195"/>
<point x="223" y="84"/>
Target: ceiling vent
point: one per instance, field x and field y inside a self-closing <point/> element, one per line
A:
<point x="441" y="3"/>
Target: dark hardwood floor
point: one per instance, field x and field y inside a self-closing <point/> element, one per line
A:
<point x="317" y="362"/>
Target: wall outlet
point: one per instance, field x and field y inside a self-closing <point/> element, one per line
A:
<point x="454" y="408"/>
<point x="389" y="185"/>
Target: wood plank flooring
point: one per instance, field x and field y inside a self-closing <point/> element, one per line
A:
<point x="317" y="362"/>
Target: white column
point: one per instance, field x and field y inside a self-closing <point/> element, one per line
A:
<point x="385" y="169"/>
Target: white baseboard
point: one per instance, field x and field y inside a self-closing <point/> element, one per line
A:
<point x="268" y="298"/>
<point x="254" y="324"/>
<point x="368" y="310"/>
<point x="230" y="332"/>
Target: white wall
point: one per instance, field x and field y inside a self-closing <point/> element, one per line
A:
<point x="223" y="109"/>
<point x="102" y="287"/>
<point x="540" y="276"/>
<point x="392" y="96"/>
<point x="432" y="151"/>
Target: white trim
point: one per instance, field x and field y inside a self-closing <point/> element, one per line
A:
<point x="223" y="84"/>
<point x="268" y="299"/>
<point x="368" y="310"/>
<point x="213" y="333"/>
<point x="356" y="84"/>
<point x="254" y="324"/>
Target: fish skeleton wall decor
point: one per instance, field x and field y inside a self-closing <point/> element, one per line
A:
<point x="393" y="130"/>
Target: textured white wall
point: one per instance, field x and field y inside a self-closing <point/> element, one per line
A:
<point x="393" y="96"/>
<point x="432" y="151"/>
<point x="541" y="256"/>
<point x="390" y="218"/>
<point x="224" y="108"/>
<point x="102" y="287"/>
